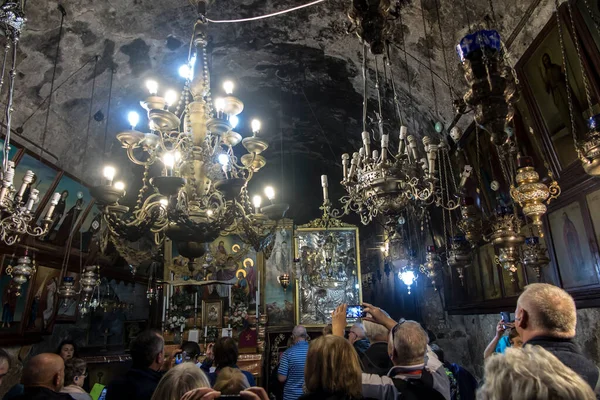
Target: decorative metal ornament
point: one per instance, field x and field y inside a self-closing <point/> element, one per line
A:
<point x="532" y="194"/>
<point x="372" y="22"/>
<point x="535" y="255"/>
<point x="431" y="265"/>
<point x="90" y="279"/>
<point x="284" y="281"/>
<point x="506" y="238"/>
<point x="470" y="223"/>
<point x="459" y="256"/>
<point x="589" y="149"/>
<point x="492" y="86"/>
<point x="21" y="272"/>
<point x="67" y="291"/>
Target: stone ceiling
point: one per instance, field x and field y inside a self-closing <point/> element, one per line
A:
<point x="299" y="73"/>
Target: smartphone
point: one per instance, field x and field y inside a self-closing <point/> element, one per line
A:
<point x="178" y="358"/>
<point x="355" y="311"/>
<point x="505" y="315"/>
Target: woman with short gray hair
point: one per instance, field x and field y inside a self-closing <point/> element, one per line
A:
<point x="531" y="373"/>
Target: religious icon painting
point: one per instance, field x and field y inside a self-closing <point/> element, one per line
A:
<point x="572" y="252"/>
<point x="212" y="313"/>
<point x="41" y="315"/>
<point x="43" y="180"/>
<point x="279" y="302"/>
<point x="542" y="74"/>
<point x="489" y="273"/>
<point x="14" y="300"/>
<point x="68" y="213"/>
<point x="593" y="203"/>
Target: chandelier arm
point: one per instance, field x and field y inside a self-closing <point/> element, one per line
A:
<point x="134" y="159"/>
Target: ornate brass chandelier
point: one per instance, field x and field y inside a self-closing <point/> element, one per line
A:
<point x="203" y="189"/>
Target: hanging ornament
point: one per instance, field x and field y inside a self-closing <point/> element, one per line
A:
<point x="506" y="238"/>
<point x="491" y="81"/>
<point x="534" y="255"/>
<point x="67" y="291"/>
<point x="470" y="222"/>
<point x="459" y="256"/>
<point x="284" y="281"/>
<point x="21" y="272"/>
<point x="532" y="194"/>
<point x="431" y="265"/>
<point x="90" y="279"/>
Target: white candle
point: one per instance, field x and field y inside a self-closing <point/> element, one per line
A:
<point x="195" y="301"/>
<point x="257" y="295"/>
<point x="206" y="331"/>
<point x="182" y="326"/>
<point x="229" y="326"/>
<point x="230" y="305"/>
<point x="164" y="308"/>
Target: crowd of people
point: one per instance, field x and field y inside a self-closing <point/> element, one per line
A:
<point x="379" y="358"/>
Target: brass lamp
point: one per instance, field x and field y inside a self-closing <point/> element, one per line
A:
<point x="470" y="222"/>
<point x="459" y="256"/>
<point x="506" y="239"/>
<point x="431" y="265"/>
<point x="534" y="255"/>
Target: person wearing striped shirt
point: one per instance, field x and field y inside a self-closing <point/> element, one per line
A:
<point x="291" y="365"/>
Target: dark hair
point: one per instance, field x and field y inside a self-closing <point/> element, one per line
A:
<point x="73" y="367"/>
<point x="226" y="352"/>
<point x="145" y="347"/>
<point x="65" y="342"/>
<point x="192" y="349"/>
<point x="5" y="356"/>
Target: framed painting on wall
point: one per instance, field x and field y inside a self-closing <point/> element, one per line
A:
<point x="14" y="302"/>
<point x="574" y="259"/>
<point x="41" y="315"/>
<point x="328" y="273"/>
<point x="212" y="313"/>
<point x="280" y="303"/>
<point x="593" y="203"/>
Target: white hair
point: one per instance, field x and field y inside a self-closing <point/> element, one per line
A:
<point x="550" y="309"/>
<point x="531" y="373"/>
<point x="376" y="332"/>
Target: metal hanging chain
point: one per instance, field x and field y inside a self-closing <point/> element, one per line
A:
<point x="407" y="70"/>
<point x="377" y="87"/>
<point x="110" y="88"/>
<point x="466" y="8"/>
<point x="6" y="50"/>
<point x="586" y="83"/>
<point x="364" y="72"/>
<point x="439" y="22"/>
<point x="429" y="56"/>
<point x="396" y="98"/>
<point x="63" y="14"/>
<point x="9" y="106"/>
<point x="494" y="20"/>
<point x="565" y="66"/>
<point x="87" y="135"/>
<point x="589" y="10"/>
<point x="541" y="153"/>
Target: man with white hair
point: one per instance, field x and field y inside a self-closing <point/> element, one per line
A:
<point x="358" y="338"/>
<point x="546" y="316"/>
<point x="375" y="360"/>
<point x="291" y="365"/>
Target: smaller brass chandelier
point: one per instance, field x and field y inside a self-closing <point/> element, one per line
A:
<point x="470" y="223"/>
<point x="534" y="255"/>
<point x="430" y="267"/>
<point x="21" y="272"/>
<point x="532" y="194"/>
<point x="459" y="256"/>
<point x="507" y="239"/>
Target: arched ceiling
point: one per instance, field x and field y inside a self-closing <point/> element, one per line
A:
<point x="300" y="73"/>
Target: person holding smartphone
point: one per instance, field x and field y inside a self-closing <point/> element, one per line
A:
<point x="500" y="342"/>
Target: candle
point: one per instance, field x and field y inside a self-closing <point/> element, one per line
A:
<point x="164" y="308"/>
<point x="296" y="248"/>
<point x="257" y="296"/>
<point x="195" y="301"/>
<point x="182" y="326"/>
<point x="366" y="143"/>
<point x="325" y="185"/>
<point x="229" y="326"/>
<point x="230" y="305"/>
<point x="206" y="331"/>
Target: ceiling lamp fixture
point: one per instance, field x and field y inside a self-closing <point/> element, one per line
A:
<point x="203" y="189"/>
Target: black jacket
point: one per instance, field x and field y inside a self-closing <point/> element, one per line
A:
<point x="40" y="393"/>
<point x="136" y="384"/>
<point x="570" y="355"/>
<point x="376" y="360"/>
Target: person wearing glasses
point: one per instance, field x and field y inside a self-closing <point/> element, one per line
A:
<point x="75" y="374"/>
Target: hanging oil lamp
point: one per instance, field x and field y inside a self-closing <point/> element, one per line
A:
<point x="431" y="265"/>
<point x="89" y="281"/>
<point x="491" y="82"/>
<point x="532" y="194"/>
<point x="21" y="272"/>
<point x="67" y="291"/>
<point x="590" y="148"/>
<point x="459" y="256"/>
<point x="284" y="281"/>
<point x="506" y="239"/>
<point x="534" y="255"/>
<point x="470" y="222"/>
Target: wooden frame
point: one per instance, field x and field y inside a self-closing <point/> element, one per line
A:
<point x="208" y="308"/>
<point x="310" y="228"/>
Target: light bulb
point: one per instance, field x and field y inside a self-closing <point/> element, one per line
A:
<point x="133" y="118"/>
<point x="119" y="185"/>
<point x="233" y="121"/>
<point x="168" y="159"/>
<point x="152" y="87"/>
<point x="209" y="213"/>
<point x="407" y="277"/>
<point x="382" y="248"/>
<point x="177" y="156"/>
<point x="256" y="125"/>
<point x="270" y="192"/>
<point x="257" y="201"/>
<point x="170" y="97"/>
<point x="184" y="71"/>
<point x="109" y="173"/>
<point x="223" y="159"/>
<point x="164" y="202"/>
<point x="228" y="87"/>
<point x="220" y="104"/>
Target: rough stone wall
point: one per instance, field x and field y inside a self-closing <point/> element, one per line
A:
<point x="465" y="337"/>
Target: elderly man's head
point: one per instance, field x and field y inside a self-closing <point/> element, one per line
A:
<point x="545" y="310"/>
<point x="45" y="370"/>
<point x="407" y="344"/>
<point x="376" y="332"/>
<point x="299" y="334"/>
<point x="357" y="332"/>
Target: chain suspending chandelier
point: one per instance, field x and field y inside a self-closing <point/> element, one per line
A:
<point x="203" y="189"/>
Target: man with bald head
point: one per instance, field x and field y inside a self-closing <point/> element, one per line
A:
<point x="291" y="365"/>
<point x="43" y="377"/>
<point x="546" y="316"/>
